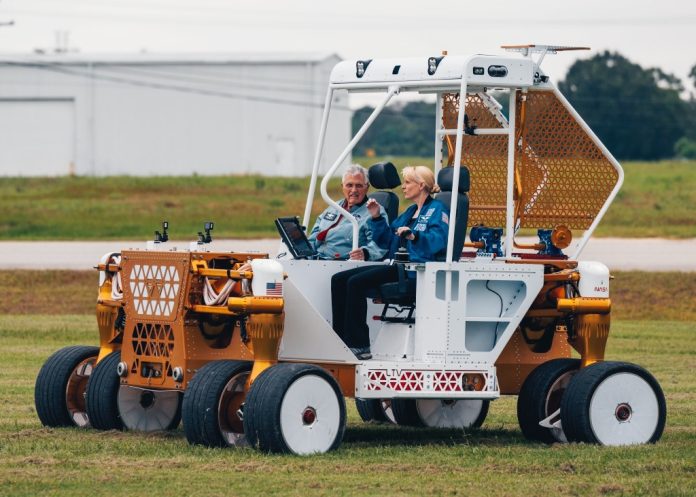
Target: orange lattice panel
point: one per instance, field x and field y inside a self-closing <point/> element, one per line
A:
<point x="565" y="177"/>
<point x="486" y="158"/>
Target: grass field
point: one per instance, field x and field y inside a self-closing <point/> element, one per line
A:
<point x="374" y="459"/>
<point x="657" y="200"/>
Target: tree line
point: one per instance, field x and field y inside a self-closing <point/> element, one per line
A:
<point x="638" y="113"/>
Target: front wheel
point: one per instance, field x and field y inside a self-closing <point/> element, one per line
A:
<point x="613" y="403"/>
<point x="296" y="408"/>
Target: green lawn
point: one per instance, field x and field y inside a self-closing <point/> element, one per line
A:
<point x="373" y="460"/>
<point x="658" y="199"/>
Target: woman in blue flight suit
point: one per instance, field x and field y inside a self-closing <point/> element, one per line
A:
<point x="423" y="225"/>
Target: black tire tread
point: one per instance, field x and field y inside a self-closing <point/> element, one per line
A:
<point x="532" y="398"/>
<point x="51" y="382"/>
<point x="199" y="409"/>
<point x="371" y="410"/>
<point x="406" y="413"/>
<point x="102" y="394"/>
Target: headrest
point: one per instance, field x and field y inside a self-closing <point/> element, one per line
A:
<point x="446" y="176"/>
<point x="383" y="176"/>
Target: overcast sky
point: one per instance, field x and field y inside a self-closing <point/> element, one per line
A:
<point x="650" y="33"/>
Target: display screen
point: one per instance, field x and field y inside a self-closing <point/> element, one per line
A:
<point x="294" y="237"/>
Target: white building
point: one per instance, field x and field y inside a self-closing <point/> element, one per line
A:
<point x="147" y="114"/>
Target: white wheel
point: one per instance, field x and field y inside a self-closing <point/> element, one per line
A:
<point x="297" y="408"/>
<point x="310" y="415"/>
<point x="148" y="410"/>
<point x="613" y="403"/>
<point x="452" y="413"/>
<point x="624" y="410"/>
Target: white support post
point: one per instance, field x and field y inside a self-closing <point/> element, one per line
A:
<point x="393" y="90"/>
<point x="510" y="213"/>
<point x="317" y="157"/>
<point x="437" y="165"/>
<point x="455" y="179"/>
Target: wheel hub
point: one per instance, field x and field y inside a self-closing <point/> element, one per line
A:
<point x="309" y="416"/>
<point x="623" y="412"/>
<point x="147" y="399"/>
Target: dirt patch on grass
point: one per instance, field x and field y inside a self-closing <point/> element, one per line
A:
<point x="48" y="292"/>
<point x="635" y="294"/>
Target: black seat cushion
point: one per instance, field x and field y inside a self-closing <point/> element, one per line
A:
<point x="391" y="295"/>
<point x="389" y="201"/>
<point x="445" y="180"/>
<point x="383" y="176"/>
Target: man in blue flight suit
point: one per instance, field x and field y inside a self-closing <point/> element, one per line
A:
<point x="332" y="234"/>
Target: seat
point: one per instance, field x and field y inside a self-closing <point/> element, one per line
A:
<point x="383" y="176"/>
<point x="445" y="180"/>
<point x="402" y="294"/>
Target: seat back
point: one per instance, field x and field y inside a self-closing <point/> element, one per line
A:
<point x="383" y="177"/>
<point x="445" y="180"/>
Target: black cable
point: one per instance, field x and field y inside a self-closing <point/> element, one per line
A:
<point x="163" y="86"/>
<point x="501" y="309"/>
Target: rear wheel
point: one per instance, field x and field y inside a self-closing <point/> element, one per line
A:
<point x="59" y="393"/>
<point x="296" y="408"/>
<point x="212" y="404"/>
<point x="540" y="397"/>
<point x="452" y="413"/>
<point x="614" y="403"/>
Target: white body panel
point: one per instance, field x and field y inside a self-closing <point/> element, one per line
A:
<point x="594" y="279"/>
<point x="466" y="313"/>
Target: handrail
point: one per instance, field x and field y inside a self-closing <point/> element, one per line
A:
<point x="317" y="157"/>
<point x="393" y="90"/>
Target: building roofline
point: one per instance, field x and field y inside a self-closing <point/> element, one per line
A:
<point x="191" y="58"/>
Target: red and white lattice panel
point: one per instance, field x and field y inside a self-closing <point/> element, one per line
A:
<point x="404" y="381"/>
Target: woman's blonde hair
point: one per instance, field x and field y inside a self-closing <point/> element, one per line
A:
<point x="421" y="174"/>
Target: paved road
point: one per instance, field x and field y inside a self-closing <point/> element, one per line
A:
<point x="646" y="254"/>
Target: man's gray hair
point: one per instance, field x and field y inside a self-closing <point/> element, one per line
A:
<point x="354" y="169"/>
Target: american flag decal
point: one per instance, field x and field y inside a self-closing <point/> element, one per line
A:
<point x="274" y="289"/>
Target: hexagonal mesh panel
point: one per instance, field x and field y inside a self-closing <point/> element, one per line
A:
<point x="486" y="158"/>
<point x="565" y="177"/>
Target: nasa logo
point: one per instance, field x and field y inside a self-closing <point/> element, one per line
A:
<point x="601" y="289"/>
